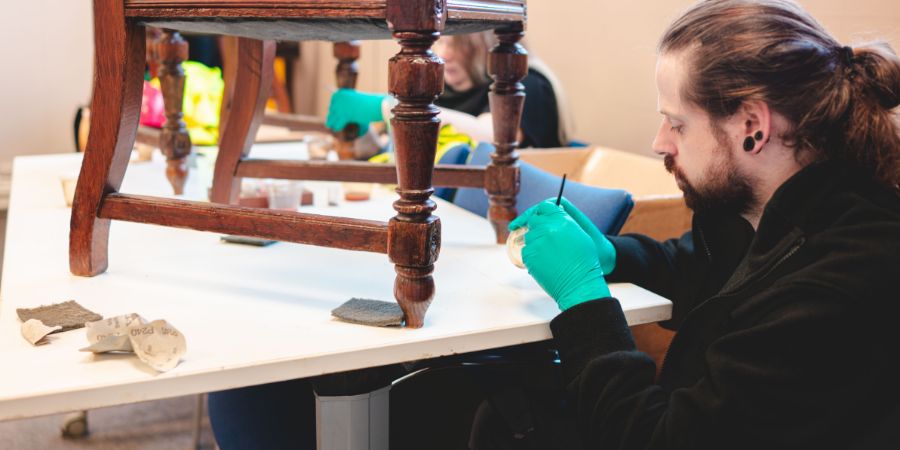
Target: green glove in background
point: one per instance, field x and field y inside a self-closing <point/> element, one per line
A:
<point x="561" y="256"/>
<point x="605" y="249"/>
<point x="351" y="106"/>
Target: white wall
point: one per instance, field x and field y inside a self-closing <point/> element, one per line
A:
<point x="47" y="51"/>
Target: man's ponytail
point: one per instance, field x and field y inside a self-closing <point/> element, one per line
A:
<point x="872" y="133"/>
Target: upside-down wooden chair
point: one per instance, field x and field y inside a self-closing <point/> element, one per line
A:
<point x="411" y="238"/>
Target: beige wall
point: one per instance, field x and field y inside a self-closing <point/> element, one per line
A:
<point x="605" y="55"/>
<point x="47" y="51"/>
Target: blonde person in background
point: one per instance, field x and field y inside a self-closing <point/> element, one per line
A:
<point x="464" y="103"/>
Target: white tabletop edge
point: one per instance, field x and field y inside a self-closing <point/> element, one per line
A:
<point x="140" y="384"/>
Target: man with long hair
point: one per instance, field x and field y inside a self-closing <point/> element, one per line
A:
<point x="786" y="145"/>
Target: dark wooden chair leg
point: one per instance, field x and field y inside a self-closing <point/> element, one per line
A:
<point x="228" y="50"/>
<point x="254" y="76"/>
<point x="346" y="53"/>
<point x="416" y="78"/>
<point x="152" y="35"/>
<point x="116" y="106"/>
<point x="507" y="65"/>
<point x="174" y="141"/>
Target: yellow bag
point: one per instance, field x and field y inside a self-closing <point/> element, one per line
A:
<point x="203" y="90"/>
<point x="448" y="137"/>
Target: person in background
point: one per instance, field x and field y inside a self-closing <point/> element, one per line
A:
<point x="464" y="102"/>
<point x="786" y="144"/>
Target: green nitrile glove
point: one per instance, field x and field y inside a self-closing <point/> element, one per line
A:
<point x="605" y="249"/>
<point x="351" y="106"/>
<point x="523" y="218"/>
<point x="561" y="257"/>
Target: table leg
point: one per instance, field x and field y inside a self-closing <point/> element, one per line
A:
<point x="346" y="53"/>
<point x="416" y="78"/>
<point x="254" y="76"/>
<point x="116" y="107"/>
<point x="174" y="140"/>
<point x="354" y="422"/>
<point x="508" y="65"/>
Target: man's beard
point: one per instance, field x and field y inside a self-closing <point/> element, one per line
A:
<point x="724" y="189"/>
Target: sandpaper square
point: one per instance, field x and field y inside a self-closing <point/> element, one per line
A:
<point x="69" y="315"/>
<point x="363" y="311"/>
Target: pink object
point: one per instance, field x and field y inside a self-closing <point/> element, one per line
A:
<point x="152" y="108"/>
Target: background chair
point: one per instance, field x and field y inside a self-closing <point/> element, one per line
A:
<point x="607" y="208"/>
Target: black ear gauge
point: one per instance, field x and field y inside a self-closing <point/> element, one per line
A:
<point x="758" y="136"/>
<point x="749" y="144"/>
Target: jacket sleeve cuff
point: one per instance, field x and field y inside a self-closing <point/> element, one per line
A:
<point x="628" y="264"/>
<point x="588" y="330"/>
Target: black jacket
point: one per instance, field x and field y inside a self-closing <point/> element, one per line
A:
<point x="540" y="113"/>
<point x="786" y="336"/>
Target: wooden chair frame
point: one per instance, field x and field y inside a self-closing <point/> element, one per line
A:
<point x="411" y="239"/>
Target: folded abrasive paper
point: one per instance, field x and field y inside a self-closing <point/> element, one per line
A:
<point x="68" y="315"/>
<point x="364" y="311"/>
<point x="156" y="343"/>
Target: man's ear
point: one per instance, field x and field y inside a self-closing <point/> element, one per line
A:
<point x="756" y="117"/>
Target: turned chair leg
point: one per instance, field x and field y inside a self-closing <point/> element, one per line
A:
<point x="416" y="78"/>
<point x="346" y="53"/>
<point x="119" y="68"/>
<point x="508" y="65"/>
<point x="174" y="141"/>
<point x="254" y="76"/>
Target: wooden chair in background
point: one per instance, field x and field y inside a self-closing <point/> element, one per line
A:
<point x="165" y="51"/>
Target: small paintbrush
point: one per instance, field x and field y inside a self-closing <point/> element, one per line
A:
<point x="561" y="187"/>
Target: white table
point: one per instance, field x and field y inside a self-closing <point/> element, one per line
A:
<point x="251" y="315"/>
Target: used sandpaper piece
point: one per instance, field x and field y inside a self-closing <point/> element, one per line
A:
<point x="68" y="315"/>
<point x="158" y="344"/>
<point x="34" y="331"/>
<point x="364" y="311"/>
